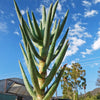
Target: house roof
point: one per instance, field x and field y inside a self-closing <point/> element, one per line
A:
<point x="13" y="86"/>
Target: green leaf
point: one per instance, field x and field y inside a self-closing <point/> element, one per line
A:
<point x="24" y="53"/>
<point x="52" y="89"/>
<point x="26" y="82"/>
<point x="24" y="39"/>
<point x="54" y="10"/>
<point x="41" y="28"/>
<point x="60" y="45"/>
<point x="43" y="16"/>
<point x="53" y="31"/>
<point x="51" y="50"/>
<point x="63" y="23"/>
<point x="32" y="71"/>
<point x="36" y="27"/>
<point x="31" y="26"/>
<point x="54" y="27"/>
<point x="26" y="26"/>
<point x="56" y="65"/>
<point x="40" y="25"/>
<point x="18" y="12"/>
<point x="46" y="39"/>
<point x="30" y="43"/>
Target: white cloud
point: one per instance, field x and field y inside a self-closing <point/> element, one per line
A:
<point x="98" y="33"/>
<point x="69" y="65"/>
<point x="12" y="15"/>
<point x="72" y="62"/>
<point x="76" y="41"/>
<point x="77" y="59"/>
<point x="96" y="44"/>
<point x="79" y="30"/>
<point x="88" y="51"/>
<point x="39" y="9"/>
<point x="59" y="7"/>
<point x="96" y="1"/>
<point x="86" y="3"/>
<point x="72" y="50"/>
<point x="12" y="21"/>
<point x="3" y="27"/>
<point x="62" y="1"/>
<point x="76" y="16"/>
<point x="17" y="33"/>
<point x="96" y="64"/>
<point x="1" y="11"/>
<point x="22" y="12"/>
<point x="46" y="2"/>
<point x="75" y="44"/>
<point x="83" y="56"/>
<point x="87" y="35"/>
<point x="90" y="13"/>
<point x="73" y="5"/>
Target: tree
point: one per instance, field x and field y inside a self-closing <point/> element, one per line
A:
<point x="72" y="79"/>
<point x="42" y="39"/>
<point x="98" y="80"/>
<point x="90" y="96"/>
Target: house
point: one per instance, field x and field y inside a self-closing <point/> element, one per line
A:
<point x="14" y="89"/>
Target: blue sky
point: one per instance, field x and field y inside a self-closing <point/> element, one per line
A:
<point x="84" y="35"/>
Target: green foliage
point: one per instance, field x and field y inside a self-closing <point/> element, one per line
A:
<point x="98" y="95"/>
<point x="89" y="96"/>
<point x="98" y="80"/>
<point x="72" y="79"/>
<point x="39" y="51"/>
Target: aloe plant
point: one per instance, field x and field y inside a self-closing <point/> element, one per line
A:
<point x="39" y="51"/>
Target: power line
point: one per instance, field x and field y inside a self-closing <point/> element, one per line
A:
<point x="16" y="73"/>
<point x="92" y="62"/>
<point x="89" y="59"/>
<point x="86" y="63"/>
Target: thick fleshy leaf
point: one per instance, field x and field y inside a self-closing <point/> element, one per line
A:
<point x="26" y="82"/>
<point x="54" y="86"/>
<point x="26" y="26"/>
<point x="53" y="31"/>
<point x="46" y="39"/>
<point x="31" y="26"/>
<point x="18" y="12"/>
<point x="24" y="39"/>
<point x="63" y="23"/>
<point x="54" y="27"/>
<point x="32" y="71"/>
<point x="36" y="27"/>
<point x="24" y="53"/>
<point x="60" y="45"/>
<point x="43" y="16"/>
<point x="54" y="10"/>
<point x="51" y="50"/>
<point x="26" y="60"/>
<point x="30" y="43"/>
<point x="56" y="65"/>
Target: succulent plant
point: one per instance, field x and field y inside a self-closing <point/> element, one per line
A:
<point x="39" y="51"/>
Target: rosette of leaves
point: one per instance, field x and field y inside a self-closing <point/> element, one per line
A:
<point x="39" y="51"/>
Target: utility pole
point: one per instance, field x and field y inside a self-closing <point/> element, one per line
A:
<point x="56" y="90"/>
